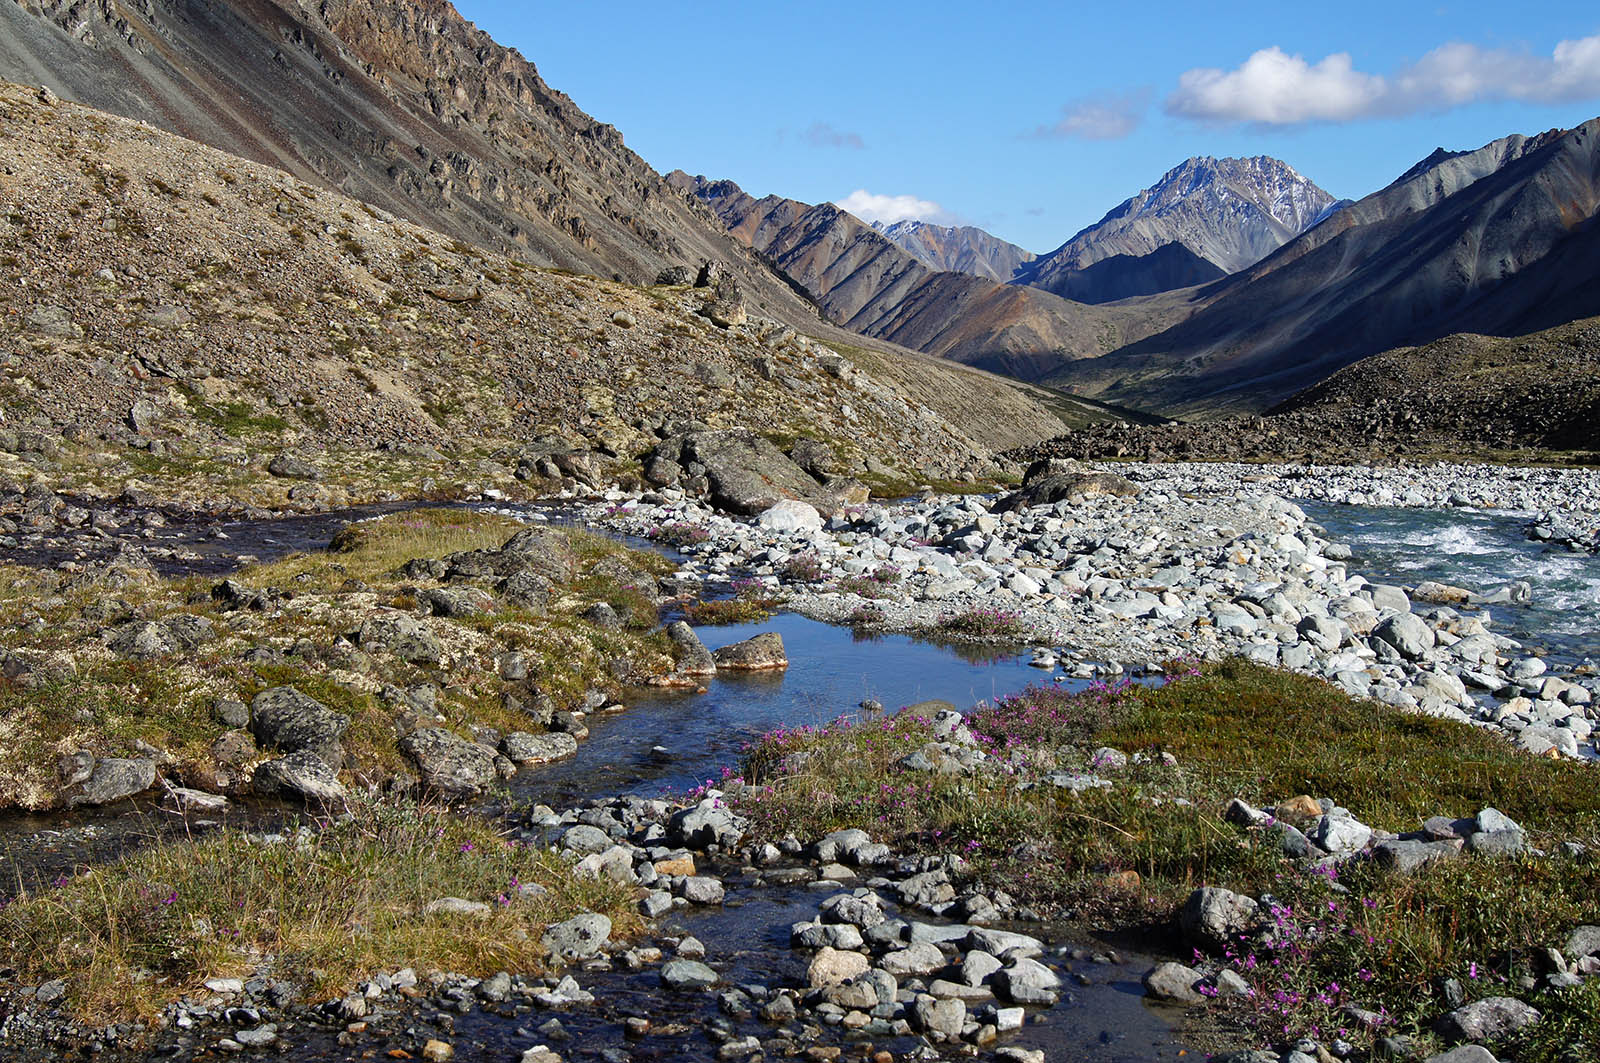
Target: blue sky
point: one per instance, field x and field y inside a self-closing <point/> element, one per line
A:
<point x="1033" y="120"/>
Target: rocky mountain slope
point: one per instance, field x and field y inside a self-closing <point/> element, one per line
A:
<point x="1168" y="268"/>
<point x="212" y="328"/>
<point x="1502" y="240"/>
<point x="957" y="249"/>
<point x="1229" y="213"/>
<point x="865" y="282"/>
<point x="1462" y="395"/>
<point x="400" y="103"/>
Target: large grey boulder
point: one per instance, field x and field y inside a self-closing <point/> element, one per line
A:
<point x="693" y="657"/>
<point x="520" y="747"/>
<point x="456" y="601"/>
<point x="687" y="974"/>
<point x="545" y="551"/>
<point x="941" y="1018"/>
<point x="705" y="824"/>
<point x="1404" y="855"/>
<point x="1026" y="981"/>
<point x="1066" y="487"/>
<point x="745" y="472"/>
<point x="764" y="652"/>
<point x="303" y="776"/>
<point x="1583" y="941"/>
<point x="449" y="764"/>
<point x="146" y="639"/>
<point x="286" y="720"/>
<point x="403" y="635"/>
<point x="113" y="779"/>
<point x="1174" y="982"/>
<point x="1464" y="1054"/>
<point x="1407" y="633"/>
<point x="1213" y="918"/>
<point x="292" y="466"/>
<point x="790" y="515"/>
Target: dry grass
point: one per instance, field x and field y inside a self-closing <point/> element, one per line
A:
<point x="333" y="905"/>
<point x="374" y="550"/>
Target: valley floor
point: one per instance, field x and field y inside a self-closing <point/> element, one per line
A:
<point x="1385" y="799"/>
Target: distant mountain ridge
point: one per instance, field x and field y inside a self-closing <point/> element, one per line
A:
<point x="1227" y="212"/>
<point x="957" y="248"/>
<point x="865" y="282"/>
<point x="1500" y="241"/>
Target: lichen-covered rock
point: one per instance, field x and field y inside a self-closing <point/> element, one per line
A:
<point x="520" y="747"/>
<point x="449" y="764"/>
<point x="578" y="938"/>
<point x="298" y="775"/>
<point x="289" y="721"/>
<point x="403" y="635"/>
<point x="113" y="779"/>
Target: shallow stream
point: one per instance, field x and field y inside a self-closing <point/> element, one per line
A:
<point x="1481" y="551"/>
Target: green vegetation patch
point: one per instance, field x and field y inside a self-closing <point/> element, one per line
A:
<point x="752" y="602"/>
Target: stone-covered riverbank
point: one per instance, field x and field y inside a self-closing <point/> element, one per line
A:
<point x="1167" y="563"/>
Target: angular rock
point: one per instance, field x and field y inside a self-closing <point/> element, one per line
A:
<point x="456" y="601"/>
<point x="921" y="957"/>
<point x="449" y="764"/>
<point x="1490" y="1019"/>
<point x="1066" y="487"/>
<point x="705" y="824"/>
<point x="1405" y="855"/>
<point x="702" y="889"/>
<point x="1213" y="918"/>
<point x="289" y="721"/>
<point x="835" y="967"/>
<point x="942" y="1018"/>
<point x="1174" y="982"/>
<point x="790" y="515"/>
<point x="1026" y="981"/>
<point x="457" y="906"/>
<point x="292" y="466"/>
<point x="687" y="974"/>
<point x="1409" y="634"/>
<point x="1583" y="941"/>
<point x="520" y="747"/>
<point x="113" y="779"/>
<point x="693" y="657"/>
<point x="403" y="635"/>
<point x="746" y="473"/>
<point x="303" y="775"/>
<point x="147" y="639"/>
<point x="1464" y="1054"/>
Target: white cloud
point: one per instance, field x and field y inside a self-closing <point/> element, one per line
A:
<point x="871" y="207"/>
<point x="1275" y="88"/>
<point x="1111" y="116"/>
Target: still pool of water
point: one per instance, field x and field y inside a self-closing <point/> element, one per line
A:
<point x="674" y="741"/>
<point x="1482" y="551"/>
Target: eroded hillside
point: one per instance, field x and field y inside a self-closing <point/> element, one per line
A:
<point x="177" y="316"/>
